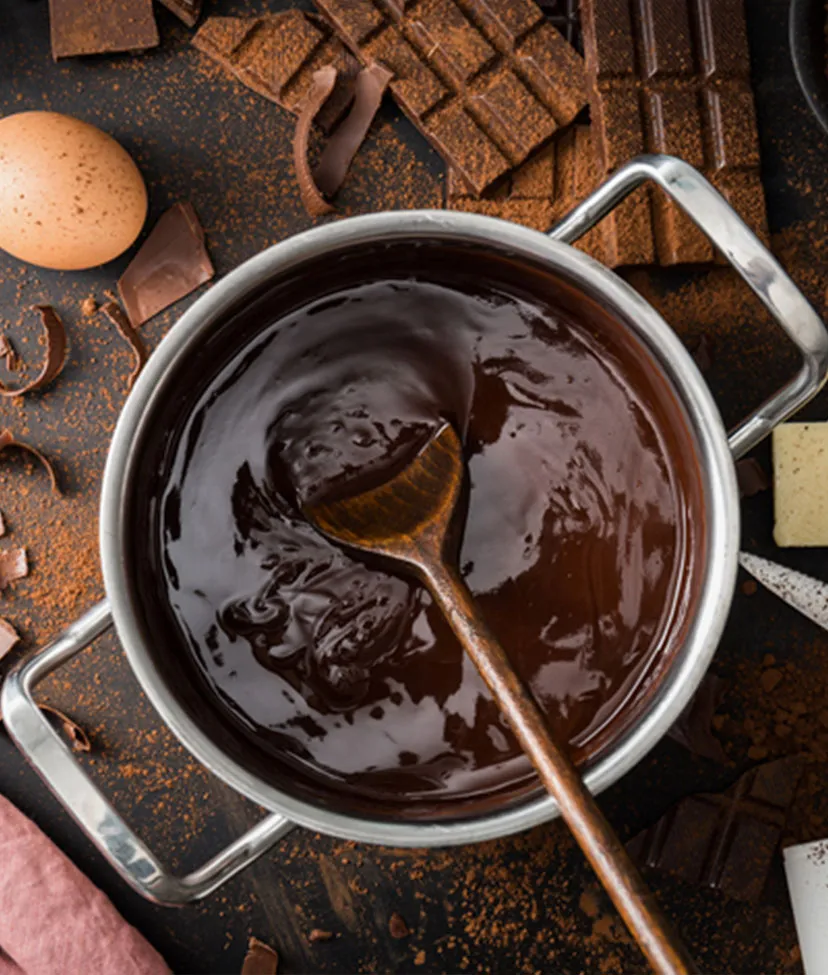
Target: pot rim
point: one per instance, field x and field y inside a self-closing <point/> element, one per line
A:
<point x="677" y="685"/>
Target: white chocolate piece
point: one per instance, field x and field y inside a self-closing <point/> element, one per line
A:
<point x="800" y="484"/>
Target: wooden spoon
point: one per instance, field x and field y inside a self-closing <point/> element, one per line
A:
<point x="406" y="520"/>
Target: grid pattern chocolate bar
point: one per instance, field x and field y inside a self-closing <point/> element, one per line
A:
<point x="674" y="76"/>
<point x="276" y="56"/>
<point x="486" y="81"/>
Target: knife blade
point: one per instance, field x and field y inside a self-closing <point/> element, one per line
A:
<point x="807" y="595"/>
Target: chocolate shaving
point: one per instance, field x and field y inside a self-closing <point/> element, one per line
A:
<point x="7" y="350"/>
<point x="115" y="314"/>
<point x="74" y="732"/>
<point x="187" y="10"/>
<point x="8" y="439"/>
<point x="260" y="959"/>
<point x="323" y="84"/>
<point x="693" y="728"/>
<point x="171" y="263"/>
<point x="750" y="477"/>
<point x="9" y="637"/>
<point x="13" y="565"/>
<point x="339" y="153"/>
<point x="55" y="353"/>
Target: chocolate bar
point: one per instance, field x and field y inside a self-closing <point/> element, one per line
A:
<point x="487" y="82"/>
<point x="277" y="56"/>
<point x="674" y="77"/>
<point x="726" y="840"/>
<point x="564" y="17"/>
<point x="104" y="27"/>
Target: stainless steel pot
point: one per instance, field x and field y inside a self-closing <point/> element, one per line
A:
<point x="53" y="760"/>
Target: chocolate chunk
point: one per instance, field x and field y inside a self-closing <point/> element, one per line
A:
<point x="673" y="77"/>
<point x="563" y="15"/>
<point x="693" y="729"/>
<point x="115" y="314"/>
<point x="397" y="927"/>
<point x="487" y="83"/>
<point x="260" y="959"/>
<point x="88" y="307"/>
<point x="9" y="637"/>
<point x="343" y="145"/>
<point x="187" y="10"/>
<point x="101" y="27"/>
<point x="171" y="263"/>
<point x="8" y="440"/>
<point x="725" y="841"/>
<point x="13" y="565"/>
<point x="76" y="735"/>
<point x="55" y="353"/>
<point x="277" y="56"/>
<point x="750" y="477"/>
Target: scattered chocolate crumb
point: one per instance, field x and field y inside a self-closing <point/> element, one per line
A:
<point x="88" y="307"/>
<point x="55" y="353"/>
<point x="371" y="84"/>
<point x="13" y="565"/>
<point x="8" y="439"/>
<point x="420" y="958"/>
<point x="770" y="679"/>
<point x="757" y="753"/>
<point x="9" y="637"/>
<point x="750" y="477"/>
<point x="76" y="734"/>
<point x="317" y="934"/>
<point x="115" y="314"/>
<point x="749" y="587"/>
<point x="260" y="959"/>
<point x="589" y="904"/>
<point x="397" y="927"/>
<point x="323" y="84"/>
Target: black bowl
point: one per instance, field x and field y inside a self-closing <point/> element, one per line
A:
<point x="810" y="54"/>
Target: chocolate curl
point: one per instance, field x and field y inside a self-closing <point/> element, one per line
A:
<point x="73" y="731"/>
<point x="8" y="439"/>
<point x="371" y="84"/>
<point x="7" y="351"/>
<point x="323" y="84"/>
<point x="55" y="353"/>
<point x="115" y="314"/>
<point x="260" y="959"/>
<point x="13" y="565"/>
<point x="8" y="637"/>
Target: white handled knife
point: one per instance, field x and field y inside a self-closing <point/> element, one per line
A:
<point x="804" y="593"/>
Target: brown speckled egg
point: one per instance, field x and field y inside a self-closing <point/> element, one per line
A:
<point x="70" y="196"/>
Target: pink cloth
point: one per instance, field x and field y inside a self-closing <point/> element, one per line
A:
<point x="53" y="920"/>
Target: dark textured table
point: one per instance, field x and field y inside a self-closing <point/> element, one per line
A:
<point x="512" y="905"/>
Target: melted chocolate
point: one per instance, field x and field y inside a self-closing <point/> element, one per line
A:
<point x="582" y="508"/>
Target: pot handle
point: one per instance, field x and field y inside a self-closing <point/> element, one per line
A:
<point x="53" y="761"/>
<point x="746" y="253"/>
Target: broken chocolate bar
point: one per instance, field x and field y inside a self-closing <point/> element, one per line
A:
<point x="102" y="27"/>
<point x="725" y="841"/>
<point x="487" y="83"/>
<point x="13" y="565"/>
<point x="187" y="10"/>
<point x="9" y="637"/>
<point x="277" y="56"/>
<point x="673" y="77"/>
<point x="171" y="263"/>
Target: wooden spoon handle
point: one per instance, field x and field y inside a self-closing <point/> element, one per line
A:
<point x="597" y="839"/>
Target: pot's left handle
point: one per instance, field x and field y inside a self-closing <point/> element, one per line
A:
<point x="53" y="761"/>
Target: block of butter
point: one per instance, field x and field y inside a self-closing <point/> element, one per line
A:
<point x="800" y="484"/>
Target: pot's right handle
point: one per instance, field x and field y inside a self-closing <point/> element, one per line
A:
<point x="719" y="221"/>
<point x="43" y="747"/>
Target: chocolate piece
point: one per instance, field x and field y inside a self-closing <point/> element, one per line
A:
<point x="13" y="565"/>
<point x="693" y="729"/>
<point x="260" y="959"/>
<point x="317" y="934"/>
<point x="115" y="314"/>
<point x="343" y="145"/>
<point x="101" y="27"/>
<point x="673" y="77"/>
<point x="563" y="15"/>
<point x="171" y="263"/>
<point x="726" y="840"/>
<point x="7" y="350"/>
<point x="55" y="353"/>
<point x="487" y="82"/>
<point x="76" y="735"/>
<point x="277" y="56"/>
<point x="9" y="637"/>
<point x="8" y="440"/>
<point x="187" y="10"/>
<point x="2" y="525"/>
<point x="323" y="84"/>
<point x="397" y="927"/>
<point x="751" y="477"/>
